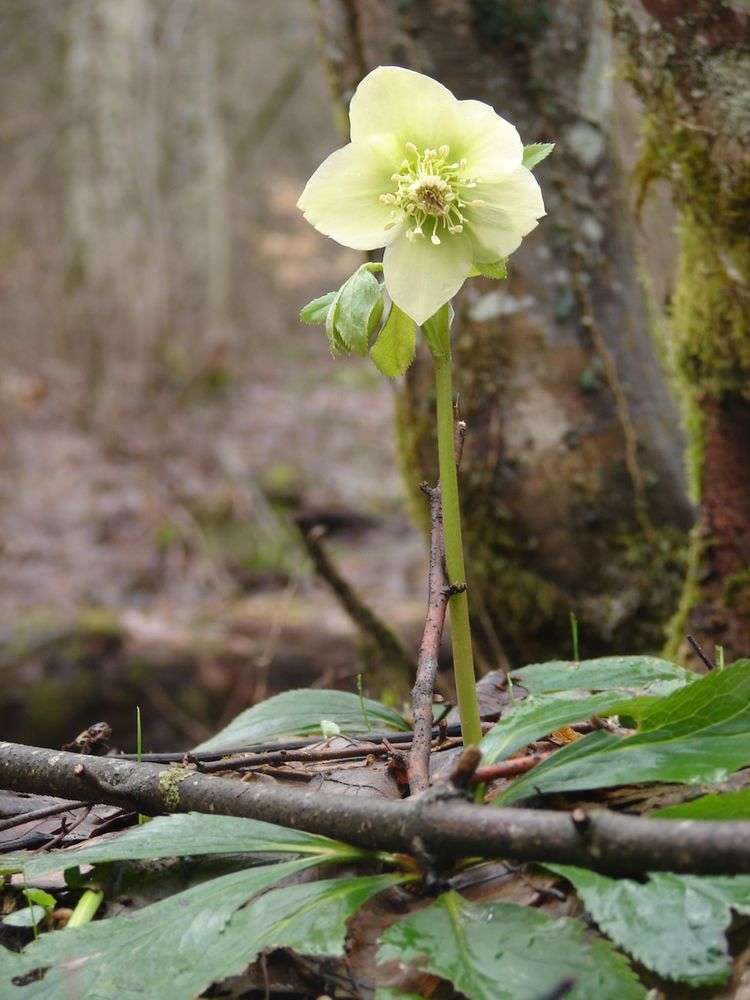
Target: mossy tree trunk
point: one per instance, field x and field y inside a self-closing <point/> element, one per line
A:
<point x="572" y="483"/>
<point x="690" y="65"/>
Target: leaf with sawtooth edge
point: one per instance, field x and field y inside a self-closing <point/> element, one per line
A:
<point x="143" y="953"/>
<point x="604" y="674"/>
<point x="715" y="805"/>
<point x="700" y="733"/>
<point x="185" y="835"/>
<point x="503" y="951"/>
<point x="299" y="713"/>
<point x="674" y="924"/>
<point x="169" y="950"/>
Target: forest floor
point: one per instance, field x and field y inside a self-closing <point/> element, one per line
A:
<point x="159" y="532"/>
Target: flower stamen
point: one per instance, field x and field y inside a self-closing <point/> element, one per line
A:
<point x="430" y="190"/>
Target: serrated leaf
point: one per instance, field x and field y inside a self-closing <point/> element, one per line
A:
<point x="502" y="951"/>
<point x="716" y="805"/>
<point x="497" y="269"/>
<point x="437" y="332"/>
<point x="310" y="919"/>
<point x="358" y="299"/>
<point x="539" y="715"/>
<point x="535" y="152"/>
<point x="394" y="349"/>
<point x="696" y="734"/>
<point x="603" y="674"/>
<point x="169" y="949"/>
<point x="184" y="835"/>
<point x="317" y="310"/>
<point x="298" y="713"/>
<point x="674" y="924"/>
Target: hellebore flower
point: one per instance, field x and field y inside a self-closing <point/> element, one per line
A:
<point x="436" y="181"/>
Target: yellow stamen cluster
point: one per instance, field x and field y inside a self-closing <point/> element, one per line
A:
<point x="431" y="192"/>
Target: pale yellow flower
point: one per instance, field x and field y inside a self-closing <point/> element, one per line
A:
<point x="436" y="181"/>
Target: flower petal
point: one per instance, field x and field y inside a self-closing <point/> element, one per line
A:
<point x="511" y="210"/>
<point x="491" y="145"/>
<point x="393" y="106"/>
<point x="421" y="277"/>
<point x="342" y="198"/>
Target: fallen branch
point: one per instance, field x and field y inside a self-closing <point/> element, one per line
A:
<point x="448" y="829"/>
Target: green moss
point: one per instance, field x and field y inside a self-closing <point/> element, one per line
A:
<point x="735" y="592"/>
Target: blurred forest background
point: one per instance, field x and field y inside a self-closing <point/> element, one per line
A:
<point x="164" y="415"/>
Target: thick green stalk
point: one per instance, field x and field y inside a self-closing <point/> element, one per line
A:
<point x="463" y="659"/>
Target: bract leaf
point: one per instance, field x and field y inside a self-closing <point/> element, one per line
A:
<point x="604" y="674"/>
<point x="358" y="298"/>
<point x="172" y="948"/>
<point x="716" y="805"/>
<point x="502" y="951"/>
<point x="674" y="924"/>
<point x="184" y="835"/>
<point x="535" y="152"/>
<point x="317" y="310"/>
<point x="394" y="349"/>
<point x="497" y="269"/>
<point x="698" y="733"/>
<point x="538" y="715"/>
<point x="298" y="713"/>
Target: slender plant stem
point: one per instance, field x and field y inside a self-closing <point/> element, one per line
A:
<point x="463" y="659"/>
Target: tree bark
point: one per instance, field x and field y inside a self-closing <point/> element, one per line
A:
<point x="690" y="65"/>
<point x="573" y="492"/>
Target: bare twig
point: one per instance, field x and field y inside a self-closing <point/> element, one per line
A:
<point x="40" y="814"/>
<point x="438" y="595"/>
<point x="304" y="756"/>
<point x="699" y="652"/>
<point x="509" y="768"/>
<point x="395" y="656"/>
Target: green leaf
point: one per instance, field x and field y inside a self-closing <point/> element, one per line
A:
<point x="437" y="332"/>
<point x="309" y="918"/>
<point x="173" y="948"/>
<point x="393" y="993"/>
<point x="184" y="835"/>
<point x="28" y="916"/>
<point x="177" y="947"/>
<point x="716" y="805"/>
<point x="497" y="269"/>
<point x="359" y="298"/>
<point x="317" y="310"/>
<point x="604" y="674"/>
<point x="538" y="715"/>
<point x="502" y="951"/>
<point x="699" y="733"/>
<point x="394" y="349"/>
<point x="674" y="924"/>
<point x="535" y="152"/>
<point x="298" y="713"/>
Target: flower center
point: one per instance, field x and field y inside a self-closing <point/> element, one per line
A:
<point x="430" y="191"/>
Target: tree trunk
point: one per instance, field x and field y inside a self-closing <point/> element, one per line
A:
<point x="573" y="491"/>
<point x="690" y="65"/>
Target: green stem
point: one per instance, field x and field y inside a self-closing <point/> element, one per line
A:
<point x="86" y="908"/>
<point x="463" y="659"/>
